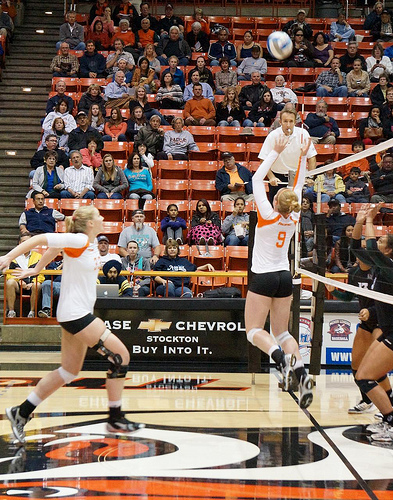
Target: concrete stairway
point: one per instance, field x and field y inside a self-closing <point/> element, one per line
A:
<point x="21" y="112"/>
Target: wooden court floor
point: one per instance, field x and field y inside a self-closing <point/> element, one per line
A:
<point x="207" y="436"/>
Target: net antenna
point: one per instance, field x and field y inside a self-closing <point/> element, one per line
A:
<point x="318" y="278"/>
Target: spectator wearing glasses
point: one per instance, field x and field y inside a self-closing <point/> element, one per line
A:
<point x="302" y="54"/>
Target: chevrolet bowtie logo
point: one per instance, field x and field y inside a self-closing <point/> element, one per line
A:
<point x="154" y="325"/>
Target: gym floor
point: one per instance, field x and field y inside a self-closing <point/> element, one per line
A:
<point x="207" y="435"/>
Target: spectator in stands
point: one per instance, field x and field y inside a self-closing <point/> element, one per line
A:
<point x="122" y="65"/>
<point x="199" y="110"/>
<point x="177" y="73"/>
<point x="6" y="24"/>
<point x="198" y="17"/>
<point x="347" y="60"/>
<point x="233" y="180"/>
<point x="144" y="75"/>
<point x="244" y="50"/>
<point x="39" y="219"/>
<point x="99" y="36"/>
<point x="133" y="262"/>
<point x="111" y="270"/>
<point x="169" y="95"/>
<point x="50" y="288"/>
<point x="373" y="16"/>
<point x="97" y="9"/>
<point x="332" y="83"/>
<point x="125" y="33"/>
<point x="169" y="20"/>
<point x="147" y="159"/>
<point x="307" y="224"/>
<point x="197" y="39"/>
<point x="235" y="226"/>
<point x="90" y="156"/>
<point x="356" y="190"/>
<point x="146" y="16"/>
<point x="175" y="286"/>
<point x="136" y="121"/>
<point x="150" y="54"/>
<point x="336" y="220"/>
<point x="152" y="136"/>
<point x="177" y="142"/>
<point x="95" y="118"/>
<point x="29" y="285"/>
<point x="113" y="59"/>
<point x="387" y="107"/>
<point x="78" y="179"/>
<point x="51" y="144"/>
<point x="322" y="128"/>
<point x="206" y="76"/>
<point x="52" y="101"/>
<point x="340" y="30"/>
<point x="58" y="129"/>
<point x="362" y="165"/>
<point x="125" y="11"/>
<point x="378" y="93"/>
<point x="331" y="186"/>
<point x="64" y="64"/>
<point x="251" y="94"/>
<point x="229" y="111"/>
<point x="110" y="180"/>
<point x="173" y="46"/>
<point x="378" y="64"/>
<point x="48" y="179"/>
<point x="139" y="180"/>
<point x="92" y="96"/>
<point x="302" y="53"/>
<point x="205" y="226"/>
<point x="323" y="51"/>
<point x="207" y="91"/>
<point x="107" y="22"/>
<point x="61" y="111"/>
<point x="358" y="81"/>
<point x="115" y="128"/>
<point x="72" y="33"/>
<point x="81" y="135"/>
<point x="263" y="112"/>
<point x="92" y="64"/>
<point x="251" y="64"/>
<point x="146" y="35"/>
<point x="299" y="22"/>
<point x="371" y="129"/>
<point x="103" y="248"/>
<point x="222" y="48"/>
<point x="144" y="235"/>
<point x="117" y="93"/>
<point x="225" y="77"/>
<point x="382" y="30"/>
<point x="140" y="99"/>
<point x="344" y="259"/>
<point x="288" y="106"/>
<point x="172" y="225"/>
<point x="281" y="94"/>
<point x="382" y="181"/>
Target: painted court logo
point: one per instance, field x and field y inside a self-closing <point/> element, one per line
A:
<point x="339" y="330"/>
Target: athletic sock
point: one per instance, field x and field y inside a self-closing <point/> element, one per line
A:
<point x="365" y="398"/>
<point x="26" y="409"/>
<point x="115" y="412"/>
<point x="277" y="355"/>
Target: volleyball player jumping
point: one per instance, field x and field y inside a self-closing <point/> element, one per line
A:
<point x="80" y="328"/>
<point x="271" y="281"/>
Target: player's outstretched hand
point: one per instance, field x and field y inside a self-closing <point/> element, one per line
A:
<point x="373" y="210"/>
<point x="5" y="262"/>
<point x="280" y="144"/>
<point x="305" y="147"/>
<point x="24" y="273"/>
<point x="362" y="213"/>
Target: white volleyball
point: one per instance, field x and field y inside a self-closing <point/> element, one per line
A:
<point x="279" y="45"/>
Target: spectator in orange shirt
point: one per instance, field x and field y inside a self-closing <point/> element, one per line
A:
<point x="357" y="147"/>
<point x="145" y="35"/>
<point x="98" y="35"/>
<point x="115" y="128"/>
<point x="127" y="36"/>
<point x="199" y="110"/>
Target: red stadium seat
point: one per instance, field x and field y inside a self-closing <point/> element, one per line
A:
<point x="69" y="205"/>
<point x="204" y="170"/>
<point x="119" y="150"/>
<point x="111" y="210"/>
<point x="173" y="169"/>
<point x="112" y="231"/>
<point x="203" y="189"/>
<point x="216" y="257"/>
<point x="347" y="136"/>
<point x="166" y="188"/>
<point x="237" y="149"/>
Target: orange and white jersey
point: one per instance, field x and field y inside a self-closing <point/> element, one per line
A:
<point x="274" y="231"/>
<point x="80" y="270"/>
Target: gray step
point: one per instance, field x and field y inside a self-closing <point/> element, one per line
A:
<point x="26" y="121"/>
<point x="28" y="81"/>
<point x="18" y="58"/>
<point x="20" y="148"/>
<point x="30" y="73"/>
<point x="16" y="132"/>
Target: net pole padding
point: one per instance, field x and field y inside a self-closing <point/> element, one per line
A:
<point x="255" y="355"/>
<point x="317" y="300"/>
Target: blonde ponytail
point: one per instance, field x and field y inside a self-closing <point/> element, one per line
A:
<point x="77" y="222"/>
<point x="288" y="202"/>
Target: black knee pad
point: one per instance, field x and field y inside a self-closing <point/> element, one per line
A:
<point x="366" y="385"/>
<point x="384" y="377"/>
<point x="117" y="371"/>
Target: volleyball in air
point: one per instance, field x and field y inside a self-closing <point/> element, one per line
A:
<point x="279" y="45"/>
